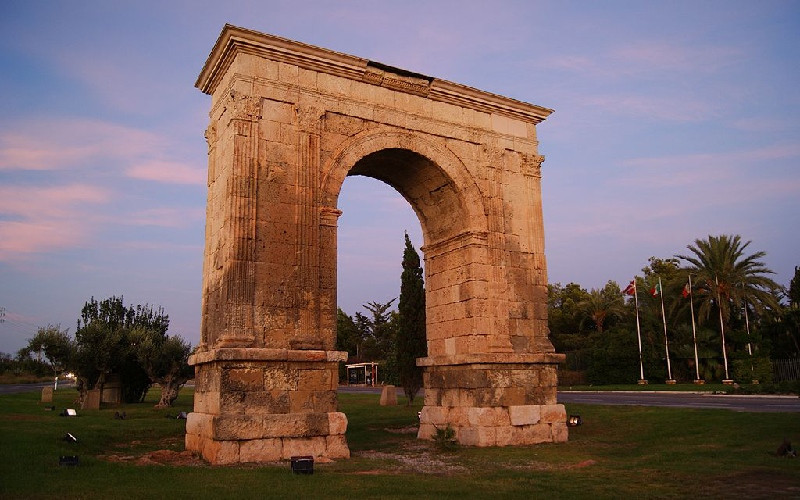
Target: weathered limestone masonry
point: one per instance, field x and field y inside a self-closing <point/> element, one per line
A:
<point x="288" y="123"/>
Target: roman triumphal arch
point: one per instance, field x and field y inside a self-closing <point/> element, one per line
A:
<point x="288" y="123"/>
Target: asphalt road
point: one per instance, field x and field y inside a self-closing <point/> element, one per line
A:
<point x="665" y="399"/>
<point x="685" y="400"/>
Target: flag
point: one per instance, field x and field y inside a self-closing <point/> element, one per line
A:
<point x="656" y="290"/>
<point x="630" y="289"/>
<point x="687" y="290"/>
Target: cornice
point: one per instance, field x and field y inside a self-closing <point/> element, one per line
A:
<point x="233" y="40"/>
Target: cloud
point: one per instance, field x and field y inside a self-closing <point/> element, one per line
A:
<point x="56" y="144"/>
<point x="647" y="60"/>
<point x="166" y="217"/>
<point x="43" y="219"/>
<point x="170" y="172"/>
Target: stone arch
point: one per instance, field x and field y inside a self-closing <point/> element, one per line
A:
<point x="288" y="123"/>
<point x="434" y="181"/>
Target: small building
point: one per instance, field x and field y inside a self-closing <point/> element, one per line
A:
<point x="362" y="374"/>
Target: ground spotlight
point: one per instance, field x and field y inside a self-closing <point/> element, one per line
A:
<point x="574" y="421"/>
<point x="70" y="438"/>
<point x="303" y="465"/>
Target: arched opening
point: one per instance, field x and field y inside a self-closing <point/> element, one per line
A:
<point x="370" y="241"/>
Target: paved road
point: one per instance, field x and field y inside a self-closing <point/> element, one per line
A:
<point x="686" y="400"/>
<point x="673" y="399"/>
<point x="15" y="388"/>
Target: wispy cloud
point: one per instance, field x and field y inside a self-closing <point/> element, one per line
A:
<point x="54" y="144"/>
<point x="43" y="219"/>
<point x="166" y="217"/>
<point x="170" y="172"/>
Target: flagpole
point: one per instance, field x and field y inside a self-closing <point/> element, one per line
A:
<point x="670" y="380"/>
<point x="698" y="380"/>
<point x="642" y="380"/>
<point x="749" y="349"/>
<point x="727" y="380"/>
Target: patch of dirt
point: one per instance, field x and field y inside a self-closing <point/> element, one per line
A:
<point x="416" y="457"/>
<point x="754" y="484"/>
<point x="159" y="457"/>
<point x="411" y="429"/>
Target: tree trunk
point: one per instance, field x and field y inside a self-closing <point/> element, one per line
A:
<point x="170" y="387"/>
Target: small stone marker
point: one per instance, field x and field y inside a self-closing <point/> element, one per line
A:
<point x="92" y="401"/>
<point x="389" y="396"/>
<point x="47" y="394"/>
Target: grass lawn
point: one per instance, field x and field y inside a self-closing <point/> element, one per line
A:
<point x="636" y="452"/>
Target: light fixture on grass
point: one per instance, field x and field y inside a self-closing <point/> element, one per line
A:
<point x="70" y="438"/>
<point x="71" y="460"/>
<point x="574" y="421"/>
<point x="303" y="465"/>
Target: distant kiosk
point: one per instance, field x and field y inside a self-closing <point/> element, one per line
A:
<point x="362" y="374"/>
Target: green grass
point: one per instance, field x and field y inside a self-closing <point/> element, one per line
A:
<point x="639" y="452"/>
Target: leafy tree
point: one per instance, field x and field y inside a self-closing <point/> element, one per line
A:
<point x="377" y="331"/>
<point x="348" y="337"/>
<point x="564" y="315"/>
<point x="411" y="339"/>
<point x="104" y="345"/>
<point x="794" y="289"/>
<point x="55" y="344"/>
<point x="164" y="359"/>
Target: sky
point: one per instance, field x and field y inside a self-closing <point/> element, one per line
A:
<point x="673" y="121"/>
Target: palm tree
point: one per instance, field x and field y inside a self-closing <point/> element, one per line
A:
<point x="601" y="305"/>
<point x="726" y="278"/>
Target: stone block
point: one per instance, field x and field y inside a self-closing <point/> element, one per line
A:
<point x="426" y="431"/>
<point x="477" y="436"/>
<point x="47" y="395"/>
<point x="560" y="432"/>
<point x="261" y="450"/>
<point x="388" y="396"/>
<point x="524" y="415"/>
<point x="220" y="452"/>
<point x="435" y="415"/>
<point x="337" y="423"/>
<point x="324" y="401"/>
<point x="488" y="417"/>
<point x="552" y="414"/>
<point x="313" y="446"/>
<point x="200" y="424"/>
<point x="206" y="402"/>
<point x="457" y="416"/>
<point x="431" y="397"/>
<point x="247" y="379"/>
<point x="531" y="434"/>
<point x="336" y="447"/>
<point x="504" y="435"/>
<point x="92" y="401"/>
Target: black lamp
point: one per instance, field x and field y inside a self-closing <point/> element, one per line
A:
<point x="574" y="421"/>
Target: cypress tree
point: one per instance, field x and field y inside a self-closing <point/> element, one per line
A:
<point x="411" y="340"/>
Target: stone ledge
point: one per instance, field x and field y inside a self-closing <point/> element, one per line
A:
<point x="249" y="427"/>
<point x="264" y="354"/>
<point x="550" y="358"/>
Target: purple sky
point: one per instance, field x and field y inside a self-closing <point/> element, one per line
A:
<point x="673" y="120"/>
